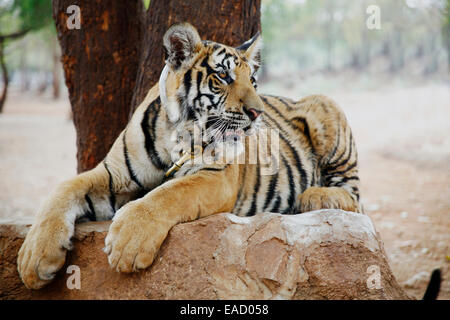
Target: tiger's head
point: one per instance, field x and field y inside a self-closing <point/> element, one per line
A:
<point x="210" y="85"/>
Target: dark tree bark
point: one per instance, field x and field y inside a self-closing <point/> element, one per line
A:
<point x="100" y="62"/>
<point x="117" y="56"/>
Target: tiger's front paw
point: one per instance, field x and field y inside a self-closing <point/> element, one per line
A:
<point x="43" y="253"/>
<point x="134" y="238"/>
<point x="316" y="198"/>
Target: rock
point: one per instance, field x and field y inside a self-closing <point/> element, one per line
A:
<point x="327" y="254"/>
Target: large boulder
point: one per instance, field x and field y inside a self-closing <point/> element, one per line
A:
<point x="326" y="254"/>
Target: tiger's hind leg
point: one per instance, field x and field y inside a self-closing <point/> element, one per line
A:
<point x="316" y="198"/>
<point x="337" y="182"/>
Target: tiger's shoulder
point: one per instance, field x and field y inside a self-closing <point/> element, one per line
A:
<point x="314" y="120"/>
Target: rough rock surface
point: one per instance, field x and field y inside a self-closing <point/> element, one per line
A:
<point x="327" y="254"/>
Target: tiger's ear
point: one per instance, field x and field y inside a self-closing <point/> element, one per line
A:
<point x="180" y="43"/>
<point x="252" y="51"/>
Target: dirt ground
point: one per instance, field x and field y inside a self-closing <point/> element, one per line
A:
<point x="404" y="152"/>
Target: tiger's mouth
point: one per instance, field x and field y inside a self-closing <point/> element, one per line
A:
<point x="222" y="129"/>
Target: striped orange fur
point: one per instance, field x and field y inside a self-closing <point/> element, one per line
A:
<point x="206" y="90"/>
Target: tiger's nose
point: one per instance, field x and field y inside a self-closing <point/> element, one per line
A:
<point x="252" y="113"/>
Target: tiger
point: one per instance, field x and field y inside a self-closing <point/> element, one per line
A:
<point x="152" y="178"/>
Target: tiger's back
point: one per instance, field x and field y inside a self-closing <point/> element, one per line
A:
<point x="316" y="149"/>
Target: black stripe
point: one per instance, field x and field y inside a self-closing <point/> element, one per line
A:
<point x="221" y="100"/>
<point x="220" y="52"/>
<point x="276" y="205"/>
<point x="333" y="163"/>
<point x="355" y="191"/>
<point x="333" y="166"/>
<point x="205" y="64"/>
<point x="190" y="113"/>
<point x="277" y="111"/>
<point x="345" y="179"/>
<point x="252" y="210"/>
<point x="283" y="102"/>
<point x="149" y="134"/>
<point x="291" y="198"/>
<point x="303" y="175"/>
<point x="332" y="154"/>
<point x="127" y="162"/>
<point x="90" y="214"/>
<point x="112" y="196"/>
<point x="199" y="81"/>
<point x="271" y="190"/>
<point x="187" y="82"/>
<point x="213" y="169"/>
<point x="306" y="131"/>
<point x="299" y="166"/>
<point x="336" y="173"/>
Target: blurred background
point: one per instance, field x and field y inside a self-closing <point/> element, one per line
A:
<point x="308" y="42"/>
<point x="392" y="79"/>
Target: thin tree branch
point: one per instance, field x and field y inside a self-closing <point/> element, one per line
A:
<point x="14" y="35"/>
<point x="5" y="77"/>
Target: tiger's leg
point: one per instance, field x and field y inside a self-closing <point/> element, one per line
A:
<point x="140" y="227"/>
<point x="127" y="171"/>
<point x="337" y="186"/>
<point x="43" y="252"/>
<point x="95" y="194"/>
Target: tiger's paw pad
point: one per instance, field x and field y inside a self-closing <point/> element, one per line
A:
<point x="42" y="254"/>
<point x="133" y="240"/>
<point x="316" y="198"/>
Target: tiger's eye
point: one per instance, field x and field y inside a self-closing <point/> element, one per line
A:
<point x="223" y="75"/>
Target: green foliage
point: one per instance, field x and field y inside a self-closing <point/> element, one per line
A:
<point x="33" y="51"/>
<point x="146" y="4"/>
<point x="34" y="14"/>
<point x="19" y="15"/>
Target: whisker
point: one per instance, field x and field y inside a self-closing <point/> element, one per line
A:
<point x="216" y="131"/>
<point x="221" y="130"/>
<point x="215" y="125"/>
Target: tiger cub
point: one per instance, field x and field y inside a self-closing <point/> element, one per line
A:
<point x="202" y="142"/>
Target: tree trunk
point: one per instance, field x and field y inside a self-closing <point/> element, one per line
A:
<point x="5" y="78"/>
<point x="55" y="70"/>
<point x="117" y="56"/>
<point x="225" y="21"/>
<point x="100" y="62"/>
